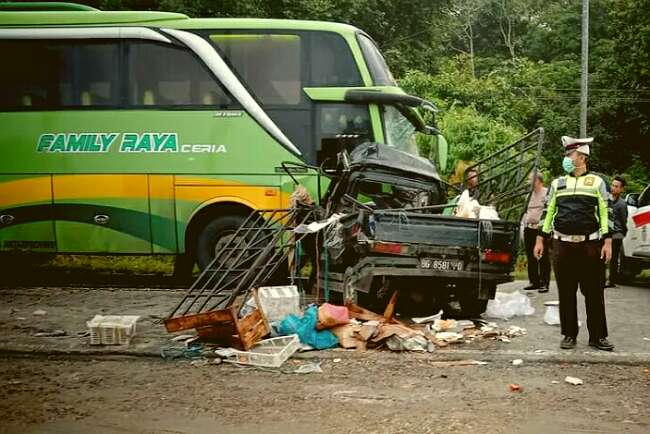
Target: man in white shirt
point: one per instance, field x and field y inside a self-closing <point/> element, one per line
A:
<point x="539" y="271"/>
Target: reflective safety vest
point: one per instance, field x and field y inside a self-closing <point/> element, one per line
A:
<point x="576" y="206"/>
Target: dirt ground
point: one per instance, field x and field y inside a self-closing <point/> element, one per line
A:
<point x="377" y="393"/>
<point x="62" y="385"/>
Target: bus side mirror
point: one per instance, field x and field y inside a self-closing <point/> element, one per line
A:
<point x="442" y="148"/>
<point x="632" y="200"/>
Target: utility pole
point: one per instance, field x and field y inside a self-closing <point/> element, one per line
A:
<point x="584" y="79"/>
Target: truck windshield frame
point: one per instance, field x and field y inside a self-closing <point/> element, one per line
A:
<point x="400" y="132"/>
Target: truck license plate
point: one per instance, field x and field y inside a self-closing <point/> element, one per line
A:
<point x="442" y="264"/>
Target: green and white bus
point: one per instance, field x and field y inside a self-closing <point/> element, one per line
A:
<point x="155" y="133"/>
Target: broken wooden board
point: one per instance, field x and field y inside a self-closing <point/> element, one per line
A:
<point x="224" y="327"/>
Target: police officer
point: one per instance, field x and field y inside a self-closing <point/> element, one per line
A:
<point x="576" y="219"/>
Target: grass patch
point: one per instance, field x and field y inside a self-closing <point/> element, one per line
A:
<point x="152" y="264"/>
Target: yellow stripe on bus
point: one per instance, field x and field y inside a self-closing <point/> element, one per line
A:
<point x="132" y="186"/>
<point x="26" y="190"/>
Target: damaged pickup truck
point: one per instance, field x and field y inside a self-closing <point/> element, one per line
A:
<point x="394" y="234"/>
<point x="387" y="221"/>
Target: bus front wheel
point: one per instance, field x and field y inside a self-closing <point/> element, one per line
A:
<point x="214" y="237"/>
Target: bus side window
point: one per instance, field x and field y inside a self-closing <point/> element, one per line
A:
<point x="332" y="63"/>
<point x="165" y="76"/>
<point x="48" y="74"/>
<point x="97" y="79"/>
<point x="269" y="64"/>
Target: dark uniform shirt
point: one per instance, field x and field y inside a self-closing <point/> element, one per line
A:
<point x="576" y="206"/>
<point x="618" y="225"/>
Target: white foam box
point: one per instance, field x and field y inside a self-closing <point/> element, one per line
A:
<point x="278" y="301"/>
<point x="112" y="329"/>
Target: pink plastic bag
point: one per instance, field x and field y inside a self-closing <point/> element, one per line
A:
<point x="330" y="315"/>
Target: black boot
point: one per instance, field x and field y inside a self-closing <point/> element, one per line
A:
<point x="568" y="343"/>
<point x="602" y="344"/>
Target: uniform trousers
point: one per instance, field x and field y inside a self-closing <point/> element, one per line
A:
<point x="579" y="264"/>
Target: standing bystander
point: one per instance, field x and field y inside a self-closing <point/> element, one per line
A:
<point x="539" y="270"/>
<point x="618" y="226"/>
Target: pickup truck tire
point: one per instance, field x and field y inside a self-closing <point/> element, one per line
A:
<point x="471" y="307"/>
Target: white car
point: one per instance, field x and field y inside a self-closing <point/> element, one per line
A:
<point x="635" y="254"/>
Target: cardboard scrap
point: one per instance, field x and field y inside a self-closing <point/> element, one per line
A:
<point x="574" y="381"/>
<point x="443" y="325"/>
<point x="449" y="337"/>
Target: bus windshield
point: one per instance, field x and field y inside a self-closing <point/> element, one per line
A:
<point x="400" y="132"/>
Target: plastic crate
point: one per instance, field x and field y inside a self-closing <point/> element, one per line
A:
<point x="279" y="301"/>
<point x="270" y="353"/>
<point x="112" y="329"/>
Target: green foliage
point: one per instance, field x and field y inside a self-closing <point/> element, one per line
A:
<point x="496" y="68"/>
<point x="637" y="176"/>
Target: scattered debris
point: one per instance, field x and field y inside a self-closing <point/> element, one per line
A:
<point x="349" y="336"/>
<point x="278" y="301"/>
<point x="200" y="362"/>
<point x="540" y="351"/>
<point x="112" y="329"/>
<point x="515" y="387"/>
<point x="427" y="319"/>
<point x="552" y="314"/>
<point x="39" y="313"/>
<point x="555" y="382"/>
<point x="270" y="353"/>
<point x="440" y="325"/>
<point x="52" y="334"/>
<point x="646" y="339"/>
<point x="225" y="353"/>
<point x="309" y="368"/>
<point x="514" y="331"/>
<point x="305" y="328"/>
<point x="507" y="305"/>
<point x="330" y="315"/>
<point x="573" y="380"/>
<point x="458" y="363"/>
<point x="413" y="343"/>
<point x="336" y="360"/>
<point x="181" y="338"/>
<point x="224" y="327"/>
<point x="450" y="337"/>
<point x="174" y="353"/>
<point x="517" y="362"/>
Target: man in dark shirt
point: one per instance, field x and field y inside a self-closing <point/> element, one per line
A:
<point x="618" y="225"/>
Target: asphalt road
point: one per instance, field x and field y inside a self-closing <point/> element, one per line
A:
<point x="68" y="309"/>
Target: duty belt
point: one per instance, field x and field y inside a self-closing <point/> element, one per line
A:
<point x="576" y="238"/>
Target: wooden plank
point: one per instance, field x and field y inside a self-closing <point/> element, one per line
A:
<point x="200" y="319"/>
<point x="251" y="329"/>
<point x="390" y="307"/>
<point x="223" y="334"/>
